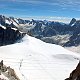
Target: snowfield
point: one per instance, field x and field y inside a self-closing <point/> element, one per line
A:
<point x="33" y="59"/>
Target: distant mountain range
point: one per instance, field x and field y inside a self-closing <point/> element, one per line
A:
<point x="49" y="31"/>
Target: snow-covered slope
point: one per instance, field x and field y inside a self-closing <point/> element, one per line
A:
<point x="33" y="59"/>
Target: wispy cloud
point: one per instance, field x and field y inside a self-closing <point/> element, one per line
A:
<point x="62" y="3"/>
<point x="48" y="6"/>
<point x="49" y="2"/>
<point x="28" y="1"/>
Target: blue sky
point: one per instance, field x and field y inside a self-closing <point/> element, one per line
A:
<point x="40" y="8"/>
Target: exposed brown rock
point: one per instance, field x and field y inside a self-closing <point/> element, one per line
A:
<point x="75" y="74"/>
<point x="8" y="72"/>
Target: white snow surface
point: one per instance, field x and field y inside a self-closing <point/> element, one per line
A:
<point x="33" y="59"/>
<point x="2" y="26"/>
<point x="8" y="22"/>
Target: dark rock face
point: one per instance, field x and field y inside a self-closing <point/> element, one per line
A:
<point x="9" y="35"/>
<point x="72" y="21"/>
<point x="3" y="21"/>
<point x="47" y="29"/>
<point x="75" y="74"/>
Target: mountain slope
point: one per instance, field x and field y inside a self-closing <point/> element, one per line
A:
<point x="33" y="59"/>
<point x="46" y="30"/>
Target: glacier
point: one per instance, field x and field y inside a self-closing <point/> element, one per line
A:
<point x="33" y="59"/>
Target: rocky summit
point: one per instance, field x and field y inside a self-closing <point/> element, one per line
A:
<point x="9" y="33"/>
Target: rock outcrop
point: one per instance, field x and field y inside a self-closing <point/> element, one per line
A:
<point x="8" y="72"/>
<point x="72" y="21"/>
<point x="75" y="74"/>
<point x="9" y="32"/>
<point x="9" y="35"/>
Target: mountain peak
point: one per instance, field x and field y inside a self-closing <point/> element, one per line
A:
<point x="72" y="21"/>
